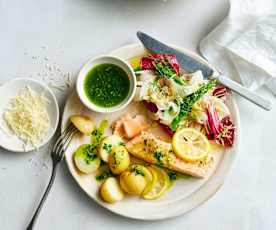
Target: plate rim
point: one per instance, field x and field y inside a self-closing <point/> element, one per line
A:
<point x="218" y="185"/>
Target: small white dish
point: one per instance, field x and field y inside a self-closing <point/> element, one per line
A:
<point x="10" y="90"/>
<point x="105" y="60"/>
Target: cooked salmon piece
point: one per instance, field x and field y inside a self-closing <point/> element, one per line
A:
<point x="134" y="126"/>
<point x="118" y="125"/>
<point x="152" y="150"/>
<point x="130" y="127"/>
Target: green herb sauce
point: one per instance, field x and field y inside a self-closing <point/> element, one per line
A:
<point x="106" y="85"/>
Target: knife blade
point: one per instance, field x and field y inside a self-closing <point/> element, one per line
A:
<point x="191" y="64"/>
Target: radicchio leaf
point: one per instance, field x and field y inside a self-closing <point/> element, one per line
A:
<point x="167" y="129"/>
<point x="149" y="62"/>
<point x="220" y="92"/>
<point x="222" y="132"/>
<point x="151" y="106"/>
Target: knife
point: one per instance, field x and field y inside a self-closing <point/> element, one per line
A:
<point x="190" y="64"/>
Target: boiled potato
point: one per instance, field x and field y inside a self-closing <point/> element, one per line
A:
<point x="107" y="144"/>
<point x="83" y="123"/>
<point x="134" y="181"/>
<point x="118" y="160"/>
<point x="86" y="158"/>
<point x="111" y="191"/>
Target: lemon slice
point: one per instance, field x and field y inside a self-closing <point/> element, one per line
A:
<point x="151" y="178"/>
<point x="190" y="144"/>
<point x="159" y="187"/>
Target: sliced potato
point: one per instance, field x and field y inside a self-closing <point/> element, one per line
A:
<point x="118" y="159"/>
<point x="107" y="144"/>
<point x="86" y="158"/>
<point x="134" y="181"/>
<point x="83" y="123"/>
<point x="111" y="191"/>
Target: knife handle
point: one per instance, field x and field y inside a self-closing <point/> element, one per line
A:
<point x="244" y="92"/>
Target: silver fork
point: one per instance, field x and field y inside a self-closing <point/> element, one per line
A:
<point x="57" y="154"/>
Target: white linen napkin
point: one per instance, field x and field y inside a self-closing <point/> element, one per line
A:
<point x="244" y="43"/>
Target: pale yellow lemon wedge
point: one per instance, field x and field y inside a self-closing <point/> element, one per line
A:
<point x="190" y="144"/>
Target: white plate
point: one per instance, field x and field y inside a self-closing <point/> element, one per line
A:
<point x="184" y="195"/>
<point x="11" y="89"/>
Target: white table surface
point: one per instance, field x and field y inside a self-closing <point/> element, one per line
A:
<point x="70" y="31"/>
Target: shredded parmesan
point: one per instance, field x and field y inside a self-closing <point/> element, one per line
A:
<point x="27" y="116"/>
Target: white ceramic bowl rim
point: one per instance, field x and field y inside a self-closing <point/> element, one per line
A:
<point x="17" y="145"/>
<point x="105" y="59"/>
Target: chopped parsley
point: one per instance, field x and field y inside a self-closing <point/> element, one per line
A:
<point x="107" y="147"/>
<point x="90" y="152"/>
<point x="175" y="175"/>
<point x="122" y="144"/>
<point x="97" y="134"/>
<point x="172" y="175"/>
<point x="102" y="163"/>
<point x="117" y="157"/>
<point x="105" y="174"/>
<point x="137" y="170"/>
<point x="159" y="157"/>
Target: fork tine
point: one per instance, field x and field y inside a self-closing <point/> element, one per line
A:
<point x="67" y="142"/>
<point x="63" y="135"/>
<point x="64" y="140"/>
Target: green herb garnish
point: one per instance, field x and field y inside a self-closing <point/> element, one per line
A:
<point x="107" y="147"/>
<point x="175" y="175"/>
<point x="97" y="133"/>
<point x="159" y="157"/>
<point x="102" y="163"/>
<point x="137" y="170"/>
<point x="188" y="102"/>
<point x="105" y="174"/>
<point x="90" y="152"/>
<point x="122" y="144"/>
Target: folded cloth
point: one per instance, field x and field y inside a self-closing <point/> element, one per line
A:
<point x="244" y="43"/>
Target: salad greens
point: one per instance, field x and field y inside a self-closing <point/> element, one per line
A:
<point x="188" y="102"/>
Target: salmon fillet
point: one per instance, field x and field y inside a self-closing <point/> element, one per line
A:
<point x="130" y="127"/>
<point x="118" y="125"/>
<point x="152" y="150"/>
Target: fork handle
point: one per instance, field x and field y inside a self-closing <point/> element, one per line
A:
<point x="32" y="222"/>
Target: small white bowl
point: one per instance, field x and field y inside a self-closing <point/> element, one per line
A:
<point x="105" y="60"/>
<point x="11" y="89"/>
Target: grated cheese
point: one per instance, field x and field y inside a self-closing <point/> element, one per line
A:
<point x="27" y="116"/>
